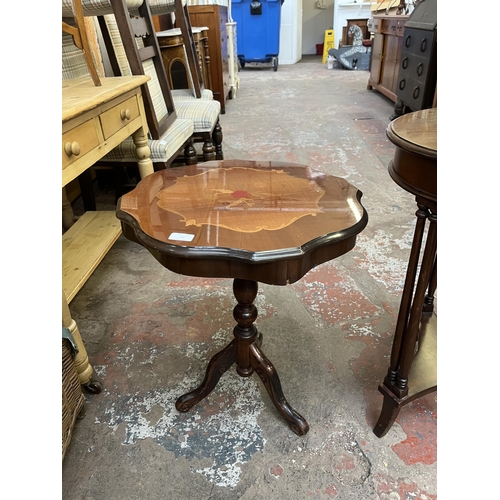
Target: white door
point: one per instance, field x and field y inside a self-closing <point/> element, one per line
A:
<point x="291" y="32"/>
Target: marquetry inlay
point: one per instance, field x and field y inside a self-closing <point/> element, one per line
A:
<point x="241" y="199"/>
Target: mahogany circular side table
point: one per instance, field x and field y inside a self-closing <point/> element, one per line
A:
<point x="413" y="355"/>
<point x="268" y="222"/>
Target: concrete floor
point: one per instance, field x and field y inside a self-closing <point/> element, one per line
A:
<point x="149" y="334"/>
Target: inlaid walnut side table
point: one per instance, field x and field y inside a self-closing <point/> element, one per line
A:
<point x="268" y="222"/>
<point x="412" y="371"/>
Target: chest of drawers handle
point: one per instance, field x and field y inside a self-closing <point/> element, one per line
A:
<point x="125" y="114"/>
<point x="72" y="148"/>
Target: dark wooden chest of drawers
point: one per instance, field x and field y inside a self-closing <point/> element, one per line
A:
<point x="416" y="87"/>
<point x="417" y="73"/>
<point x="214" y="17"/>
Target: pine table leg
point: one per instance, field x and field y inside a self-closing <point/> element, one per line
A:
<point x="82" y="364"/>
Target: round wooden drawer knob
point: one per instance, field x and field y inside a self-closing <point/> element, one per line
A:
<point x="125" y="114"/>
<point x="72" y="148"/>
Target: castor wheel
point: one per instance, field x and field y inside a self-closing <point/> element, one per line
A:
<point x="275" y="64"/>
<point x="93" y="387"/>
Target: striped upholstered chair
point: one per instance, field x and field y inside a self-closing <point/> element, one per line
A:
<point x="132" y="16"/>
<point x="177" y="132"/>
<point x="204" y="111"/>
<point x="180" y="10"/>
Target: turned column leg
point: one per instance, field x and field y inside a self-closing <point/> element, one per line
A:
<point x="429" y="298"/>
<point x="208" y="82"/>
<point x="406" y="298"/>
<point x="140" y="138"/>
<point x="82" y="365"/>
<point x="408" y="351"/>
<point x="245" y="332"/>
<point x="217" y="138"/>
<point x="190" y="156"/>
<point x="208" y="149"/>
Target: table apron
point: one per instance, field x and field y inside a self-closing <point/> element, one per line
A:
<point x="281" y="272"/>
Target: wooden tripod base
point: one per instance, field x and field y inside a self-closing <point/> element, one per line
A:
<point x="245" y="351"/>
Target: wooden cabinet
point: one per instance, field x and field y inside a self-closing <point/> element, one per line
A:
<point x="175" y="60"/>
<point x="418" y="72"/>
<point x="214" y="17"/>
<point x="386" y="53"/>
<point x="391" y="56"/>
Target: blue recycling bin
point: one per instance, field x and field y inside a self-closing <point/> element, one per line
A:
<point x="257" y="30"/>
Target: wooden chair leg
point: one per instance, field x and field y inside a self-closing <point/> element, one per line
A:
<point x="190" y="156"/>
<point x="208" y="148"/>
<point x="217" y="139"/>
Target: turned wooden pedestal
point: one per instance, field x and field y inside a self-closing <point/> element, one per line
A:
<point x="245" y="352"/>
<point x="268" y="222"/>
<point x="412" y="372"/>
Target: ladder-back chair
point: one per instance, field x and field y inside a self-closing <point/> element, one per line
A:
<point x="176" y="133"/>
<point x="125" y="36"/>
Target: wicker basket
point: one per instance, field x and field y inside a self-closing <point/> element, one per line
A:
<point x="72" y="396"/>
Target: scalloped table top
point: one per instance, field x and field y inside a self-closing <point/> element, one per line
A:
<point x="236" y="213"/>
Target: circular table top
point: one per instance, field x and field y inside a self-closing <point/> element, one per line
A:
<point x="414" y="166"/>
<point x="236" y="218"/>
<point x="415" y="132"/>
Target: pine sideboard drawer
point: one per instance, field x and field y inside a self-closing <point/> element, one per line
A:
<point x="119" y="116"/>
<point x="78" y="141"/>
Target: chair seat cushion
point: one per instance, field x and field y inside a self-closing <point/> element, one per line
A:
<point x="204" y="114"/>
<point x="162" y="150"/>
<point x="187" y="95"/>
